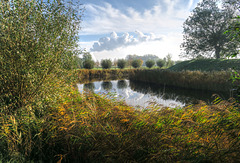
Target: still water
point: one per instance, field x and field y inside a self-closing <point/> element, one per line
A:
<point x="144" y="94"/>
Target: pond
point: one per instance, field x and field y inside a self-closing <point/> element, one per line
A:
<point x="143" y="94"/>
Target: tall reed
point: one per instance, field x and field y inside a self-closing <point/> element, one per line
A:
<point x="214" y="80"/>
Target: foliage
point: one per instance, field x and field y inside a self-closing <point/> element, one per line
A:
<point x="88" y="64"/>
<point x="144" y="57"/>
<point x="77" y="62"/>
<point x="168" y="61"/>
<point x="106" y="63"/>
<point x="137" y="63"/>
<point x="234" y="34"/>
<point x="37" y="39"/>
<point x="160" y="63"/>
<point x="121" y="63"/>
<point x="150" y="63"/>
<point x="234" y="29"/>
<point x="87" y="56"/>
<point x="204" y="31"/>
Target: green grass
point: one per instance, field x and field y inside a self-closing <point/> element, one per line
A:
<point x="207" y="65"/>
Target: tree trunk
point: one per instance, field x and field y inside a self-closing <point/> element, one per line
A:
<point x="217" y="52"/>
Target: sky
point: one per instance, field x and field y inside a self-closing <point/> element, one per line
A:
<point x="116" y="28"/>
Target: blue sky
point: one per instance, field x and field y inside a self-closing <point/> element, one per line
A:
<point x="116" y="28"/>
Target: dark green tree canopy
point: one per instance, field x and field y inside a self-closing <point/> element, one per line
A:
<point x="150" y="63"/>
<point x="106" y="64"/>
<point x="204" y="31"/>
<point x="121" y="63"/>
<point x="137" y="63"/>
<point x="160" y="63"/>
<point x="88" y="62"/>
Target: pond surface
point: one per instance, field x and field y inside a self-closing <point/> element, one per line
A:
<point x="143" y="94"/>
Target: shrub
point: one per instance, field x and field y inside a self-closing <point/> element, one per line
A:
<point x="160" y="63"/>
<point x="106" y="64"/>
<point x="35" y="45"/>
<point x="137" y="63"/>
<point x="121" y="63"/>
<point x="150" y="63"/>
<point x="88" y="64"/>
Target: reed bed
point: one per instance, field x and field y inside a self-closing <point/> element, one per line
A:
<point x="213" y="81"/>
<point x="85" y="75"/>
<point x="93" y="128"/>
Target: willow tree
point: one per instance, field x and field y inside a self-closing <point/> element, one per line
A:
<point x="36" y="38"/>
<point x="204" y="31"/>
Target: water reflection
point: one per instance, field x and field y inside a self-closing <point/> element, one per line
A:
<point x="122" y="84"/>
<point x="107" y="86"/>
<point x="89" y="87"/>
<point x="186" y="96"/>
<point x="137" y="93"/>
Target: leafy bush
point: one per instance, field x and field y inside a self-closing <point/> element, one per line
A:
<point x="106" y="64"/>
<point x="137" y="63"/>
<point x="35" y="44"/>
<point x="160" y="63"/>
<point x="121" y="63"/>
<point x="88" y="64"/>
<point x="150" y="63"/>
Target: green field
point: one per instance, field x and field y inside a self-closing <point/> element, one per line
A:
<point x="207" y="65"/>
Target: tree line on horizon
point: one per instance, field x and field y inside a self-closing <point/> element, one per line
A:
<point x="135" y="61"/>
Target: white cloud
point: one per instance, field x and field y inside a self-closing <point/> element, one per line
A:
<point x="169" y="44"/>
<point x="115" y="41"/>
<point x="159" y="19"/>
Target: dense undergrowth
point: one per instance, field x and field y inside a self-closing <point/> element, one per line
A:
<point x="87" y="127"/>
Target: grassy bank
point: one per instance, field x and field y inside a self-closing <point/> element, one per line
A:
<point x="207" y="65"/>
<point x="214" y="81"/>
<point x="93" y="128"/>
